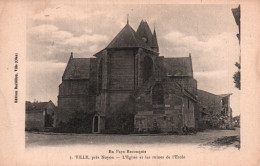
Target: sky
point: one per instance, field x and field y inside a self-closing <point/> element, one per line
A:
<point x="54" y="30"/>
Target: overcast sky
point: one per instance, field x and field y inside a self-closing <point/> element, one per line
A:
<point x="208" y="32"/>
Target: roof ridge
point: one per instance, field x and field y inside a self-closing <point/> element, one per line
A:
<point x="127" y="37"/>
<point x="81" y="58"/>
<point x="175" y="57"/>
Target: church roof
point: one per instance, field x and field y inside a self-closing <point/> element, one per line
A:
<point x="77" y="68"/>
<point x="154" y="40"/>
<point x="127" y="37"/>
<point x="144" y="31"/>
<point x="178" y="66"/>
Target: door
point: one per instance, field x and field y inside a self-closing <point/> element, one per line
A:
<point x="96" y="124"/>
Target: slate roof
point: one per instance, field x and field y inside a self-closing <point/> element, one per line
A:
<point x="178" y="66"/>
<point x="35" y="106"/>
<point x="144" y="31"/>
<point x="127" y="37"/>
<point x="154" y="40"/>
<point x="77" y="68"/>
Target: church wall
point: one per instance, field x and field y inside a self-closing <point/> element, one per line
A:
<point x="122" y="70"/>
<point x="174" y="99"/>
<point x="92" y="88"/>
<point x="168" y="117"/>
<point x="101" y="102"/>
<point x="139" y="66"/>
<point x="74" y="87"/>
<point x="71" y="104"/>
<point x="117" y="99"/>
<point x="188" y="113"/>
<point x="189" y="83"/>
<point x="73" y="96"/>
<point x="169" y="120"/>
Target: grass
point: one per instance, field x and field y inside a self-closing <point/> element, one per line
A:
<point x="228" y="140"/>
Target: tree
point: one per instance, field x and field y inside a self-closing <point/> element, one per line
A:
<point x="236" y="76"/>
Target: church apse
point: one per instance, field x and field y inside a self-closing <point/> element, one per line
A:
<point x="129" y="72"/>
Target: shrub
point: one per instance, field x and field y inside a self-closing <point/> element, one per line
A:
<point x="80" y="122"/>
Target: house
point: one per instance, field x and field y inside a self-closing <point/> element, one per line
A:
<point x="39" y="115"/>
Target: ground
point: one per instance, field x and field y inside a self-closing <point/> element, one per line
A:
<point x="214" y="138"/>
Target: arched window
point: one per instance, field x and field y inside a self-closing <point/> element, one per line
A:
<point x="100" y="76"/>
<point x="147" y="68"/>
<point x="158" y="95"/>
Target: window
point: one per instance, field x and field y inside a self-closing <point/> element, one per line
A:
<point x="158" y="95"/>
<point x="147" y="68"/>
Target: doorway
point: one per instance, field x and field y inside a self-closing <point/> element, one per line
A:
<point x="96" y="124"/>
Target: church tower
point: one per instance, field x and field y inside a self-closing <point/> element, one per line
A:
<point x="145" y="33"/>
<point x="154" y="42"/>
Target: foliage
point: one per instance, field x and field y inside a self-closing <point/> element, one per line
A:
<point x="236" y="121"/>
<point x="80" y="122"/>
<point x="236" y="76"/>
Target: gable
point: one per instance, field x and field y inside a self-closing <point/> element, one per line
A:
<point x="77" y="68"/>
<point x="127" y="37"/>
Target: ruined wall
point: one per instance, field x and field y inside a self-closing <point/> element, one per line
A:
<point x="211" y="102"/>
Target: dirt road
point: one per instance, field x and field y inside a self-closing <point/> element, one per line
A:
<point x="201" y="138"/>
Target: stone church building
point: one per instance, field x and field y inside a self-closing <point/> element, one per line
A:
<point x="130" y="70"/>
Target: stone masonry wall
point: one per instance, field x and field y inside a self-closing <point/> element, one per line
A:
<point x="122" y="70"/>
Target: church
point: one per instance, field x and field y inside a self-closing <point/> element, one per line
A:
<point x="130" y="77"/>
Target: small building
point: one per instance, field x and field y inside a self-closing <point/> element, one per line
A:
<point x="39" y="115"/>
